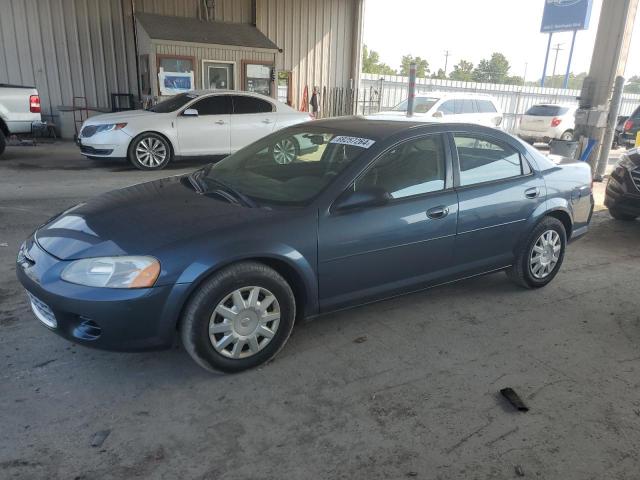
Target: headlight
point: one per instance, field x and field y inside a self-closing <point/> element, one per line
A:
<point x="113" y="272"/>
<point x="108" y="127"/>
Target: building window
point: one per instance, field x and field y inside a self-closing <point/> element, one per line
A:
<point x="258" y="78"/>
<point x="217" y="75"/>
<point x="175" y="74"/>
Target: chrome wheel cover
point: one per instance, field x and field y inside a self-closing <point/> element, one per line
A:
<point x="244" y="322"/>
<point x="567" y="136"/>
<point x="284" y="151"/>
<point x="545" y="254"/>
<point x="151" y="152"/>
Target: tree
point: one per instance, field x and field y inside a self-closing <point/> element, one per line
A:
<point x="493" y="70"/>
<point x="633" y="85"/>
<point x="463" y="71"/>
<point x="440" y="75"/>
<point x="422" y="66"/>
<point x="371" y="63"/>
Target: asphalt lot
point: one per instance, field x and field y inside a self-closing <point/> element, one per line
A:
<point x="405" y="388"/>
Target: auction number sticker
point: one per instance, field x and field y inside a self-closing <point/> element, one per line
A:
<point x="355" y="141"/>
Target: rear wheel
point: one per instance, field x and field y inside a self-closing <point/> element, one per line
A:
<point x="3" y="142"/>
<point x="618" y="215"/>
<point x="567" y="136"/>
<point x="539" y="257"/>
<point x="239" y="318"/>
<point x="285" y="151"/>
<point x="150" y="151"/>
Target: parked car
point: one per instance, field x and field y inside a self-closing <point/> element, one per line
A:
<point x="448" y="107"/>
<point x="19" y="110"/>
<point x="546" y="122"/>
<point x="622" y="196"/>
<point x="188" y="125"/>
<point x="629" y="131"/>
<point x="230" y="255"/>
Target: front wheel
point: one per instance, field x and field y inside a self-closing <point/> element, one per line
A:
<point x="238" y="319"/>
<point x="285" y="151"/>
<point x="3" y="142"/>
<point x="150" y="151"/>
<point x="539" y="257"/>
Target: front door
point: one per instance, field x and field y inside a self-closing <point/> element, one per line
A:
<point x="206" y="133"/>
<point x="378" y="251"/>
<point x="498" y="193"/>
<point x="252" y="119"/>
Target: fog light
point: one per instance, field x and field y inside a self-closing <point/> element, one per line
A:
<point x="87" y="330"/>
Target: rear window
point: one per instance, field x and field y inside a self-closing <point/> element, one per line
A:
<point x="485" y="106"/>
<point x="546" y="111"/>
<point x="420" y="105"/>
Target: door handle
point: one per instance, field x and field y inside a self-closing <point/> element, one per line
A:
<point x="438" y="212"/>
<point x="220" y="122"/>
<point x="532" y="192"/>
<point x="266" y="120"/>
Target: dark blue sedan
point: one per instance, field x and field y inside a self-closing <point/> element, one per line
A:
<point x="231" y="255"/>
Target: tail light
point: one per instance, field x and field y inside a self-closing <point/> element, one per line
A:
<point x="628" y="125"/>
<point x="498" y="121"/>
<point x="34" y="104"/>
<point x="556" y="121"/>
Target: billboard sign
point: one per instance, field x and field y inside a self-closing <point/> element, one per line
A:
<point x="565" y="15"/>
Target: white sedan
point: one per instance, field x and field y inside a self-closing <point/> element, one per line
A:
<point x="188" y="125"/>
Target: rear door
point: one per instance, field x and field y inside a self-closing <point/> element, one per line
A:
<point x="498" y="192"/>
<point x="373" y="252"/>
<point x="208" y="132"/>
<point x="252" y="119"/>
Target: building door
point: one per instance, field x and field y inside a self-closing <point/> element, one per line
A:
<point x="284" y="87"/>
<point x="217" y="75"/>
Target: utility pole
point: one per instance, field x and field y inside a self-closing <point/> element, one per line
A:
<point x="446" y="60"/>
<point x="558" y="49"/>
<point x="524" y="78"/>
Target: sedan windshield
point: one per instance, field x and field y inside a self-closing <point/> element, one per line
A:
<point x="172" y="104"/>
<point x="420" y="105"/>
<point x="289" y="167"/>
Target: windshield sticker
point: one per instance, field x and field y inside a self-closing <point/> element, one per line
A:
<point x="355" y="141"/>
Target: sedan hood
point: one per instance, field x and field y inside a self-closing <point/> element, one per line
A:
<point x="118" y="117"/>
<point x="141" y="220"/>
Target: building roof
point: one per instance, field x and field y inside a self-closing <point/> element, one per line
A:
<point x="183" y="29"/>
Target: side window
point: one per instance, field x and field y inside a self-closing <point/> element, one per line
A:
<point x="468" y="106"/>
<point x="247" y="104"/>
<point x="482" y="160"/>
<point x="214" y="105"/>
<point x="485" y="106"/>
<point x="411" y="168"/>
<point x="447" y="108"/>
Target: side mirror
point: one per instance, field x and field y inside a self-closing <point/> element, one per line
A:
<point x="438" y="114"/>
<point x="366" y="197"/>
<point x="190" y="112"/>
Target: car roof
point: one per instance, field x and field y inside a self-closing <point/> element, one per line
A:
<point x="485" y="96"/>
<point x="378" y="129"/>
<point x="201" y="92"/>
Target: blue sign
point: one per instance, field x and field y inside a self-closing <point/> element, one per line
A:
<point x="565" y="15"/>
<point x="177" y="82"/>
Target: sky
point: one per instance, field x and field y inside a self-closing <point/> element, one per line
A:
<point x="474" y="29"/>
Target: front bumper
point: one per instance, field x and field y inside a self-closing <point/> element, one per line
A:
<point x="623" y="191"/>
<point x="105" y="318"/>
<point x="105" y="144"/>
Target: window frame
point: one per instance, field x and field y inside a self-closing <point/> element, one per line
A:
<point x="525" y="165"/>
<point x="236" y="94"/>
<point x="163" y="56"/>
<point x="448" y="171"/>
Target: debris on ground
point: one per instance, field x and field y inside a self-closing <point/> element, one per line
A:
<point x="360" y="339"/>
<point x="514" y="399"/>
<point x="99" y="438"/>
<point x="519" y="471"/>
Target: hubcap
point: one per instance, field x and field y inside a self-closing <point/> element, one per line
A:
<point x="284" y="151"/>
<point x="545" y="254"/>
<point x="151" y="152"/>
<point x="244" y="322"/>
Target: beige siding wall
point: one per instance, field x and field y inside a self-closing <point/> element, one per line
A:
<point x="318" y="40"/>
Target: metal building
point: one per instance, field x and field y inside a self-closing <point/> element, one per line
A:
<point x="96" y="48"/>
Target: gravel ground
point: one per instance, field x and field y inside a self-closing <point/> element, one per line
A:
<point x="405" y="388"/>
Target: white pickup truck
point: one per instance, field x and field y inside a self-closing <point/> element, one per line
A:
<point x="19" y="110"/>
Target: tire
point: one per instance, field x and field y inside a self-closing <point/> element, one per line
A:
<point x="3" y="142"/>
<point x="150" y="151"/>
<point x="521" y="272"/>
<point x="218" y="294"/>
<point x="285" y="151"/>
<point x="618" y="215"/>
<point x="567" y="136"/>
